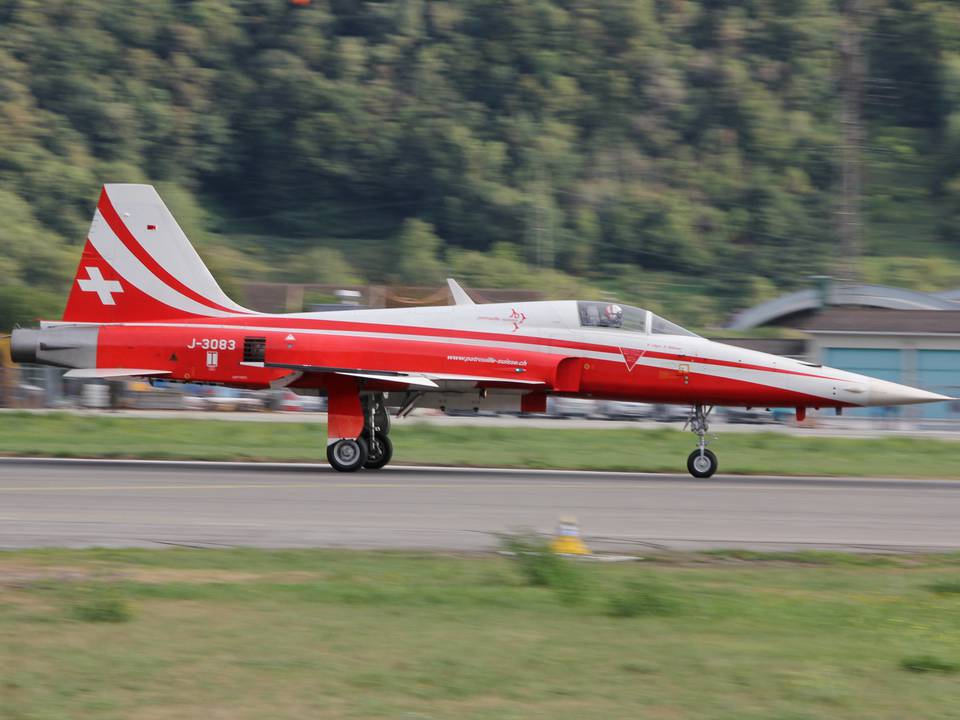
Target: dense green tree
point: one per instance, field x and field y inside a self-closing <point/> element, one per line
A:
<point x="658" y="150"/>
<point x="415" y="254"/>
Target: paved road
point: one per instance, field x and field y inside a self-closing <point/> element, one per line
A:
<point x="118" y="503"/>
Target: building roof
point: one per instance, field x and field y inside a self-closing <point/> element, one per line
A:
<point x="871" y="320"/>
<point x="850" y="295"/>
<point x="789" y="347"/>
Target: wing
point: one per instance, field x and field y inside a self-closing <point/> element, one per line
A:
<point x="428" y="380"/>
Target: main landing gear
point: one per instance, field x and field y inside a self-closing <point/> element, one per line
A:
<point x="702" y="463"/>
<point x="376" y="430"/>
<point x="372" y="449"/>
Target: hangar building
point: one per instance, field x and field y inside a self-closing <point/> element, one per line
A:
<point x="899" y="335"/>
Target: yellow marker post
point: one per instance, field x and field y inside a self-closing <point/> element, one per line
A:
<point x="567" y="540"/>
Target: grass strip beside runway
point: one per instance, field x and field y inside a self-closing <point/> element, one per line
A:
<point x="336" y="634"/>
<point x="627" y="449"/>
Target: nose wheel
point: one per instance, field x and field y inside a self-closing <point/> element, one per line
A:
<point x="701" y="463"/>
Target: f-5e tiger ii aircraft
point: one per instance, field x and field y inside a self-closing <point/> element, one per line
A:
<point x="143" y="304"/>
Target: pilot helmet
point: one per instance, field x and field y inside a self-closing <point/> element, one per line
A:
<point x="613" y="314"/>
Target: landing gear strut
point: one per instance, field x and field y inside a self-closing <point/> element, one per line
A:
<point x="702" y="463"/>
<point x="376" y="430"/>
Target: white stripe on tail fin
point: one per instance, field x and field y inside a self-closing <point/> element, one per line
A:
<point x="139" y="265"/>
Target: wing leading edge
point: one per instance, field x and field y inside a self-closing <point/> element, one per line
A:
<point x="423" y="380"/>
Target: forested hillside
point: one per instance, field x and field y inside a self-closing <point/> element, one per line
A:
<point x="678" y="153"/>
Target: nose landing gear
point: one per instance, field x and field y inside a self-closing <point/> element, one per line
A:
<point x="701" y="463"/>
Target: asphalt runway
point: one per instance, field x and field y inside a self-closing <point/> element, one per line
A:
<point x="71" y="503"/>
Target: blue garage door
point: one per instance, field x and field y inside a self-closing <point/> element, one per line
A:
<point x="883" y="364"/>
<point x="939" y="371"/>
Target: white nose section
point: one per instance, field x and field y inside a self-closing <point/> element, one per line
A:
<point x="882" y="392"/>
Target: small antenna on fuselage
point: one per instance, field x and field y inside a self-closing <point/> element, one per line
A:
<point x="460" y="296"/>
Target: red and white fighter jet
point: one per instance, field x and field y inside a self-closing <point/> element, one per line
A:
<point x="143" y="304"/>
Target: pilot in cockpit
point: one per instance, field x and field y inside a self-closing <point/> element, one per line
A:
<point x="612" y="316"/>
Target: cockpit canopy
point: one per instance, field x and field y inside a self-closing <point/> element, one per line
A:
<point x="626" y="317"/>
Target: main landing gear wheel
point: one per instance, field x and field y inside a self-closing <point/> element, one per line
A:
<point x="702" y="465"/>
<point x="381" y="450"/>
<point x="347" y="455"/>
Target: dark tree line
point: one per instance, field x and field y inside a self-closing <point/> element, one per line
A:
<point x="673" y="151"/>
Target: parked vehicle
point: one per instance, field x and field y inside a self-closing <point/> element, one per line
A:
<point x="618" y="410"/>
<point x="751" y="416"/>
<point x="567" y="407"/>
<point x="671" y="413"/>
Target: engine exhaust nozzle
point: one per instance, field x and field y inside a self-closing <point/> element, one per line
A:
<point x="23" y="345"/>
<point x="68" y="346"/>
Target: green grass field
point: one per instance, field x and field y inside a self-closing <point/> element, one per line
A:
<point x="662" y="450"/>
<point x="333" y="634"/>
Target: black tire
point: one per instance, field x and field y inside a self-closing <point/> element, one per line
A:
<point x="381" y="452"/>
<point x="702" y="468"/>
<point x="381" y="420"/>
<point x="347" y="455"/>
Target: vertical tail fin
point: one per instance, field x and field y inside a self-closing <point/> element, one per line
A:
<point x="138" y="264"/>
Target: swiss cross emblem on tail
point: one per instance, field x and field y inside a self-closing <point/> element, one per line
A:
<point x="631" y="357"/>
<point x="96" y="283"/>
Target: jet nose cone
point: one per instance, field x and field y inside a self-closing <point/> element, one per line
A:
<point x="882" y="392"/>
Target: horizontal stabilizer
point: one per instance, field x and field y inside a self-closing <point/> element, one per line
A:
<point x="103" y="373"/>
